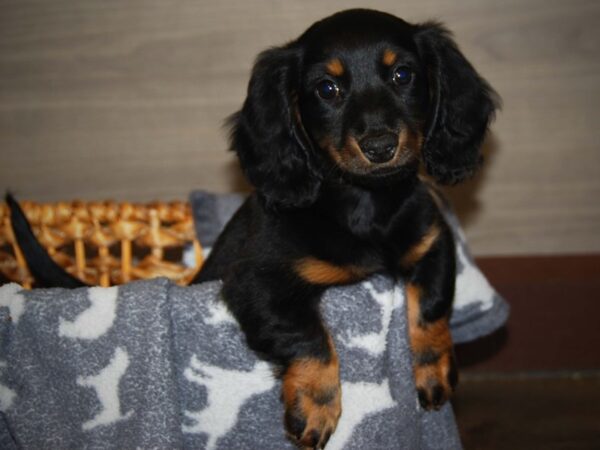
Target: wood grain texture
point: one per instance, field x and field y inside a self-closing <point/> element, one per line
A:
<point x="125" y="99"/>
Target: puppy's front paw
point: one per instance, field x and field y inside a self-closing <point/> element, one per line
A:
<point x="435" y="377"/>
<point x="312" y="399"/>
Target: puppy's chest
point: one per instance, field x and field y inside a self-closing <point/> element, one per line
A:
<point x="364" y="241"/>
<point x="361" y="219"/>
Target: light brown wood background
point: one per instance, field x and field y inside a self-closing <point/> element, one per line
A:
<point x="125" y="99"/>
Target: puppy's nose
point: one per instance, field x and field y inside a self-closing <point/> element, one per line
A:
<point x="379" y="149"/>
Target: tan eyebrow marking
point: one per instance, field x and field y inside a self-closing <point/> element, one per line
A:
<point x="335" y="67"/>
<point x="389" y="57"/>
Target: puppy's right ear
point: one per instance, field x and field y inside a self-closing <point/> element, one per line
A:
<point x="274" y="151"/>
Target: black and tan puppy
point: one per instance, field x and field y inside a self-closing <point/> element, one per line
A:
<point x="332" y="134"/>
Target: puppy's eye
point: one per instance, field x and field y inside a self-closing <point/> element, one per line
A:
<point x="402" y="75"/>
<point x="327" y="90"/>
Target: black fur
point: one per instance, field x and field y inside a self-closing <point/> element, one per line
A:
<point x="462" y="106"/>
<point x="3" y="279"/>
<point x="319" y="194"/>
<point x="44" y="270"/>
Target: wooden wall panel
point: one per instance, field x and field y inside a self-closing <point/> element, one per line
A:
<point x="125" y="99"/>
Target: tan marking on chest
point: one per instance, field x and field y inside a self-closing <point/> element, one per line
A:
<point x="317" y="271"/>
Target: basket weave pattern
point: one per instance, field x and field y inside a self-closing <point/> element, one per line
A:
<point x="106" y="243"/>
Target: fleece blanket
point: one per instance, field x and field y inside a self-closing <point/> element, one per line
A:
<point x="153" y="365"/>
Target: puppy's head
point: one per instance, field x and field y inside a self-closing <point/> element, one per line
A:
<point x="364" y="96"/>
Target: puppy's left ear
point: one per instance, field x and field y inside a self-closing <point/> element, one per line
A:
<point x="462" y="106"/>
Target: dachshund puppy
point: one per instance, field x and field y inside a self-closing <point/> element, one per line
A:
<point x="332" y="135"/>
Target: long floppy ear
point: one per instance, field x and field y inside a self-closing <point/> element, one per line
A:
<point x="268" y="136"/>
<point x="462" y="106"/>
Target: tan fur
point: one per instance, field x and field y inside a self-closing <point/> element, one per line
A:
<point x="312" y="388"/>
<point x="425" y="336"/>
<point x="389" y="57"/>
<point x="425" y="374"/>
<point x="335" y="68"/>
<point x="428" y="338"/>
<point x="420" y="249"/>
<point x="317" y="271"/>
<point x="351" y="157"/>
<point x="410" y="140"/>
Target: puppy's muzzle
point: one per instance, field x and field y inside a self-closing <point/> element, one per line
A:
<point x="379" y="149"/>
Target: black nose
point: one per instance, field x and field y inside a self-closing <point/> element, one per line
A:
<point x="379" y="149"/>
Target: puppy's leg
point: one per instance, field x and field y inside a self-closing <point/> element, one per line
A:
<point x="278" y="312"/>
<point x="429" y="293"/>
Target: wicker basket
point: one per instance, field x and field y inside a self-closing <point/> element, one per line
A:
<point x="106" y="243"/>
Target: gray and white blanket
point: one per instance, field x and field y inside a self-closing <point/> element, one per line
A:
<point x="153" y="365"/>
